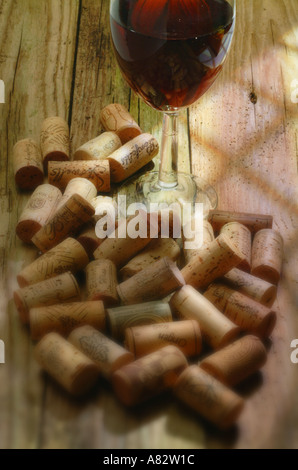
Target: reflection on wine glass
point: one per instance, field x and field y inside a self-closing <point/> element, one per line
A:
<point x="170" y="53"/>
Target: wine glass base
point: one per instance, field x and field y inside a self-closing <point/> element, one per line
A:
<point x="190" y="189"/>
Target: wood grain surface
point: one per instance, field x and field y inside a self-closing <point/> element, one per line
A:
<point x="56" y="59"/>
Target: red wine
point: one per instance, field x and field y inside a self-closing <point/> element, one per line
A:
<point x="171" y="51"/>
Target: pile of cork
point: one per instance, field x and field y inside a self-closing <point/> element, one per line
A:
<point x="151" y="316"/>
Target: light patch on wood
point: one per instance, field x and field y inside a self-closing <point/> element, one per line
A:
<point x="2" y="92"/>
<point x="2" y="352"/>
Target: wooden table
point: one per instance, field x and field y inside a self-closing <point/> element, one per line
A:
<point x="56" y="59"/>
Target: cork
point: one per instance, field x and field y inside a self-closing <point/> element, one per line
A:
<point x="81" y="186"/>
<point x="149" y="375"/>
<point x="99" y="148"/>
<point x="116" y="118"/>
<point x="74" y="371"/>
<point x="208" y="397"/>
<point x="207" y="238"/>
<point x="75" y="212"/>
<point x="157" y="249"/>
<point x="67" y="256"/>
<point x="106" y="354"/>
<point x="88" y="239"/>
<point x="147" y="313"/>
<point x="237" y="361"/>
<point x="98" y="172"/>
<point x="38" y="210"/>
<point x="241" y="237"/>
<point x="27" y="164"/>
<point x="154" y="282"/>
<point x="245" y="312"/>
<point x="132" y="156"/>
<point x="254" y="222"/>
<point x="119" y="247"/>
<point x="254" y="287"/>
<point x="58" y="289"/>
<point x="185" y="335"/>
<point x="101" y="282"/>
<point x="63" y="318"/>
<point x="54" y="140"/>
<point x="217" y="330"/>
<point x="267" y="255"/>
<point x="213" y="262"/>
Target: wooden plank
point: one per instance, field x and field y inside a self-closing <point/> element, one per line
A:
<point x="248" y="151"/>
<point x="36" y="62"/>
<point x="96" y="85"/>
<point x="98" y="82"/>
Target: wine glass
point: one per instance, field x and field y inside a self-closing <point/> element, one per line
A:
<point x="170" y="52"/>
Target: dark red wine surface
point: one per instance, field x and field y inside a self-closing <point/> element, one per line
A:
<point x="171" y="51"/>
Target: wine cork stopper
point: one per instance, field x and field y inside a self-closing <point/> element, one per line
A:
<point x="237" y="361"/>
<point x="63" y="318"/>
<point x="27" y="164"/>
<point x="107" y="355"/>
<point x="185" y="335"/>
<point x="213" y="262"/>
<point x="54" y="140"/>
<point x="149" y="375"/>
<point x="39" y="209"/>
<point x="119" y="247"/>
<point x="154" y="282"/>
<point x="75" y="212"/>
<point x="98" y="172"/>
<point x="99" y="148"/>
<point x="245" y="312"/>
<point x="67" y="256"/>
<point x="101" y="282"/>
<point x="254" y="222"/>
<point x="74" y="371"/>
<point x="132" y="156"/>
<point x="217" y="330"/>
<point x="147" y="313"/>
<point x="241" y="237"/>
<point x="116" y="118"/>
<point x="199" y="243"/>
<point x="80" y="186"/>
<point x="254" y="287"/>
<point x="157" y="249"/>
<point x="209" y="397"/>
<point x="58" y="289"/>
<point x="267" y="255"/>
<point x="89" y="240"/>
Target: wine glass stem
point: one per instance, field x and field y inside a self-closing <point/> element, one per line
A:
<point x="169" y="152"/>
